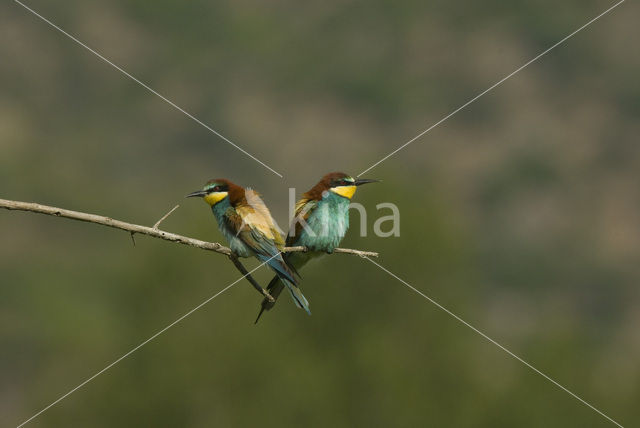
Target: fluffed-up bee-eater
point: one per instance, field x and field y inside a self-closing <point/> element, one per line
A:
<point x="320" y="222"/>
<point x="246" y="223"/>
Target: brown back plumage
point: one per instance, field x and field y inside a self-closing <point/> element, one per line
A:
<point x="251" y="211"/>
<point x="315" y="193"/>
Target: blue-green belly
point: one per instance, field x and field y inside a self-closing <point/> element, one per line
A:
<point x="236" y="245"/>
<point x="329" y="222"/>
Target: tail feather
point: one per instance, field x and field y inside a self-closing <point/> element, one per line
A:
<point x="298" y="297"/>
<point x="274" y="288"/>
<point x="284" y="276"/>
<point x="280" y="267"/>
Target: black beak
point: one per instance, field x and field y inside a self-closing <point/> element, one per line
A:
<point x="360" y="181"/>
<point x="199" y="193"/>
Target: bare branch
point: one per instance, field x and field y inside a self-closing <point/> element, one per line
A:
<point x="116" y="224"/>
<point x="145" y="230"/>
<point x="337" y="250"/>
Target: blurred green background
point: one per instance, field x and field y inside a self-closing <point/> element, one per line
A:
<point x="521" y="213"/>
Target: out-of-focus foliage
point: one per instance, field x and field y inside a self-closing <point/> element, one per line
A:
<point x="521" y="213"/>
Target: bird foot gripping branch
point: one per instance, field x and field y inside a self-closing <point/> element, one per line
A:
<point x="245" y="221"/>
<point x="320" y="222"/>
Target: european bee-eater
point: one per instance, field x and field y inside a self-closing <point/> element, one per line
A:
<point x="320" y="222"/>
<point x="246" y="223"/>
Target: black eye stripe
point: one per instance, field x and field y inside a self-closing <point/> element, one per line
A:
<point x="343" y="182"/>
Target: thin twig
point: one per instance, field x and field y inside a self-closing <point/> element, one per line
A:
<point x="155" y="226"/>
<point x="245" y="273"/>
<point x="145" y="230"/>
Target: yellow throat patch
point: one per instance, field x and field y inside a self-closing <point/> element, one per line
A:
<point x="215" y="197"/>
<point x="346" y="191"/>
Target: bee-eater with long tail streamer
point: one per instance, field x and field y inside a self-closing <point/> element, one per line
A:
<point x="320" y="222"/>
<point x="246" y="223"/>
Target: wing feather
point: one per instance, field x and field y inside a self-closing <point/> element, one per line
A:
<point x="256" y="214"/>
<point x="304" y="208"/>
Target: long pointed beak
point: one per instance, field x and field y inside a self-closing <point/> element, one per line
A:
<point x="360" y="181"/>
<point x="199" y="193"/>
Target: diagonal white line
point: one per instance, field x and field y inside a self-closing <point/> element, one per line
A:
<point x="492" y="87"/>
<point x="493" y="341"/>
<point x="189" y="115"/>
<point x="144" y="343"/>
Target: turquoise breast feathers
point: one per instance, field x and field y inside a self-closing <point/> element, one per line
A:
<point x="329" y="221"/>
<point x="235" y="243"/>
